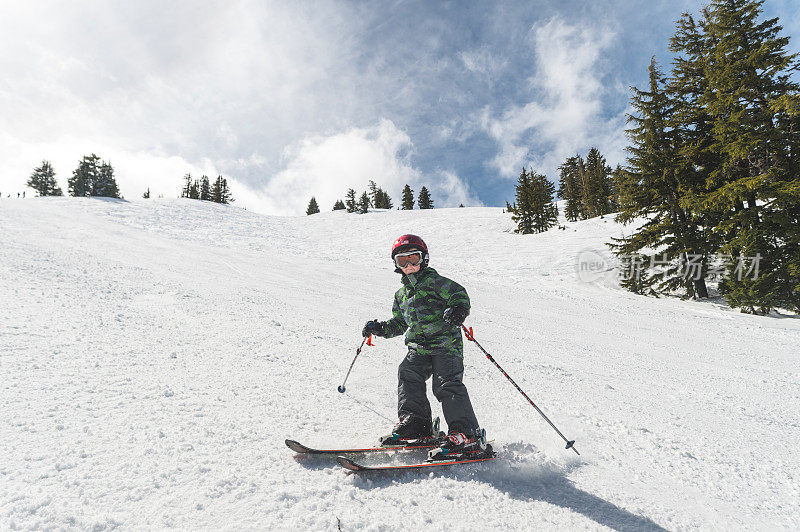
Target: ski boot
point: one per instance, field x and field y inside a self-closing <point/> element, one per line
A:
<point x="459" y="446"/>
<point x="412" y="430"/>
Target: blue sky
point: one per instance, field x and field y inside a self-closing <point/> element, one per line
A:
<point x="290" y="100"/>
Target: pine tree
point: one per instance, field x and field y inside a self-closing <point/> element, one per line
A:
<point x="424" y="201"/>
<point x="407" y="203"/>
<point x="205" y="189"/>
<point x="187" y="186"/>
<point x="338" y="206"/>
<point x="534" y="210"/>
<point x="43" y="180"/>
<point x="312" y="208"/>
<point x="521" y="210"/>
<point x="350" y="200"/>
<point x="84" y="176"/>
<point x="751" y="99"/>
<point x="105" y="185"/>
<point x="146" y="195"/>
<point x="363" y="204"/>
<point x="570" y="189"/>
<point x="668" y="253"/>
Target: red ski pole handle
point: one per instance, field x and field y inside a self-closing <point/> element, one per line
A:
<point x="468" y="333"/>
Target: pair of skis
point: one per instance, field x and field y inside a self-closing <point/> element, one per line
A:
<point x="352" y="465"/>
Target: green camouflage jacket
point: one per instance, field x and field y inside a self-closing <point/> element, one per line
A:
<point x="418" y="307"/>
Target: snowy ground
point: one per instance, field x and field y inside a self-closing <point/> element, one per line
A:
<point x="155" y="355"/>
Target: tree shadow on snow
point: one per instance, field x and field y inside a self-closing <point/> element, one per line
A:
<point x="721" y="303"/>
<point x="526" y="479"/>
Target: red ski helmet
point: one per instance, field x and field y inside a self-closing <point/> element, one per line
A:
<point x="408" y="243"/>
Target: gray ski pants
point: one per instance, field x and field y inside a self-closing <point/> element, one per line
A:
<point x="447" y="370"/>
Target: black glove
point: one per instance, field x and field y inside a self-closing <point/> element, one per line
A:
<point x="455" y="316"/>
<point x="372" y="327"/>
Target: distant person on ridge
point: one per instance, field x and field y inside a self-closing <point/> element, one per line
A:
<point x="430" y="309"/>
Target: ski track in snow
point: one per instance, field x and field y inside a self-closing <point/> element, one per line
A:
<point x="156" y="353"/>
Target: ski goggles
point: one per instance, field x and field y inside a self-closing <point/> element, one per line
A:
<point x="412" y="258"/>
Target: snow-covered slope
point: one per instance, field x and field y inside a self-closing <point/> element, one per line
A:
<point x="155" y="355"/>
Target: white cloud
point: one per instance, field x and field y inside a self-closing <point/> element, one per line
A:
<point x="326" y="166"/>
<point x="451" y="191"/>
<point x="565" y="114"/>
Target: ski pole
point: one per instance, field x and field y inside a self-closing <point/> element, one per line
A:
<point x="471" y="338"/>
<point x="368" y="341"/>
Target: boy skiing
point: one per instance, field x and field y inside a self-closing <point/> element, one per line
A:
<point x="430" y="309"/>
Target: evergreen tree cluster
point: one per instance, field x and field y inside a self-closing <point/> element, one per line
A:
<point x="204" y="190"/>
<point x="424" y="200"/>
<point x="43" y="180"/>
<point x="534" y="210"/>
<point x="93" y="177"/>
<point x="714" y="164"/>
<point x="377" y="198"/>
<point x="587" y="186"/>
